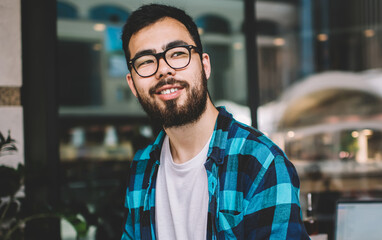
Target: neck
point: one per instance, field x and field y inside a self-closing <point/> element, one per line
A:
<point x="188" y="140"/>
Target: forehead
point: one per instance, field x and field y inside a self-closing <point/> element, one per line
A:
<point x="158" y="34"/>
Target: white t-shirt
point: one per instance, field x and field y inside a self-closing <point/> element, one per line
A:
<point x="181" y="198"/>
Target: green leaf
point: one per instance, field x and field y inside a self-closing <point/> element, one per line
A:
<point x="7" y="145"/>
<point x="2" y="139"/>
<point x="78" y="223"/>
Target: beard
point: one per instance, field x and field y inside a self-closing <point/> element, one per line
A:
<point x="172" y="115"/>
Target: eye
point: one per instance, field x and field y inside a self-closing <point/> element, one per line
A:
<point x="144" y="61"/>
<point x="179" y="54"/>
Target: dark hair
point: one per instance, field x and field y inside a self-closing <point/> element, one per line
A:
<point x="150" y="14"/>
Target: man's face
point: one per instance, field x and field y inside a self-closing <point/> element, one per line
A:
<point x="170" y="97"/>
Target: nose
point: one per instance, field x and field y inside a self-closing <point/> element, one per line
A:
<point x="164" y="69"/>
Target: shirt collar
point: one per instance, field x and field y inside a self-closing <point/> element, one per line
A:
<point x="220" y="136"/>
<point x="218" y="140"/>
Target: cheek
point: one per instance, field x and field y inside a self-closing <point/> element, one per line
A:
<point x="192" y="72"/>
<point x="140" y="90"/>
<point x="143" y="86"/>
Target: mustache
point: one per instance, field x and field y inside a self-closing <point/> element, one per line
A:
<point x="168" y="81"/>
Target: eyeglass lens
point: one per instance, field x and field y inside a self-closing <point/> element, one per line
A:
<point x="177" y="57"/>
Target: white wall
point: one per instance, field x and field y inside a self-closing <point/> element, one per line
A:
<point x="10" y="43"/>
<point x="11" y="78"/>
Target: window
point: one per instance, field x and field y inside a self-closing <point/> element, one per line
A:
<point x="321" y="95"/>
<point x="108" y="13"/>
<point x="66" y="10"/>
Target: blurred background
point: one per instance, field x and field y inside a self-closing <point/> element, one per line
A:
<point x="320" y="91"/>
<point x="317" y="94"/>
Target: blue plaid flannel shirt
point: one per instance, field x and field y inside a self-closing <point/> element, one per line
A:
<point x="253" y="187"/>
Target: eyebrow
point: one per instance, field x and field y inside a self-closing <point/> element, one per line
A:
<point x="144" y="52"/>
<point x="167" y="46"/>
<point x="174" y="44"/>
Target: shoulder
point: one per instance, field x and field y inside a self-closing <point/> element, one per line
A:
<point x="248" y="141"/>
<point x="260" y="154"/>
<point x="143" y="154"/>
<point x="146" y="157"/>
<point x="242" y="144"/>
<point x="150" y="150"/>
<point x="256" y="154"/>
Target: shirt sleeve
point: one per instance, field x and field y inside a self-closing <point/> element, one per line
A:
<point x="273" y="210"/>
<point x="128" y="228"/>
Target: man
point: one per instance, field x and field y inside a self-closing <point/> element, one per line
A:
<point x="206" y="175"/>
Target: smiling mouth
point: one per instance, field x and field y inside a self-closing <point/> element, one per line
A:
<point x="168" y="91"/>
<point x="168" y="87"/>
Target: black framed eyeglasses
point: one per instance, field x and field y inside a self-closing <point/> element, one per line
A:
<point x="176" y="57"/>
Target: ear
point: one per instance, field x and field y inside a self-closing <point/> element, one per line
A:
<point x="206" y="64"/>
<point x="130" y="81"/>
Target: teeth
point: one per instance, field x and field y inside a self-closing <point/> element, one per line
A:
<point x="168" y="91"/>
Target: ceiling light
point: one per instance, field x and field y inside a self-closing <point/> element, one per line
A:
<point x="99" y="27"/>
<point x="238" y="46"/>
<point x="322" y="37"/>
<point x="369" y="33"/>
<point x="279" y="42"/>
<point x="291" y="134"/>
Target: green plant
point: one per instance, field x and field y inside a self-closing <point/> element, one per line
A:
<point x="7" y="145"/>
<point x="12" y="215"/>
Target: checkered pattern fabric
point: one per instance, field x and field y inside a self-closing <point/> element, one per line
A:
<point x="253" y="187"/>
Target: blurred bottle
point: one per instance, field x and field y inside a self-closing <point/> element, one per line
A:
<point x="111" y="137"/>
<point x="310" y="221"/>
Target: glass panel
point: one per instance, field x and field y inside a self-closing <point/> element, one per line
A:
<point x="321" y="96"/>
<point x="101" y="122"/>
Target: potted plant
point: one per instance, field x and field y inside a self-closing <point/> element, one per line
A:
<point x="12" y="214"/>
